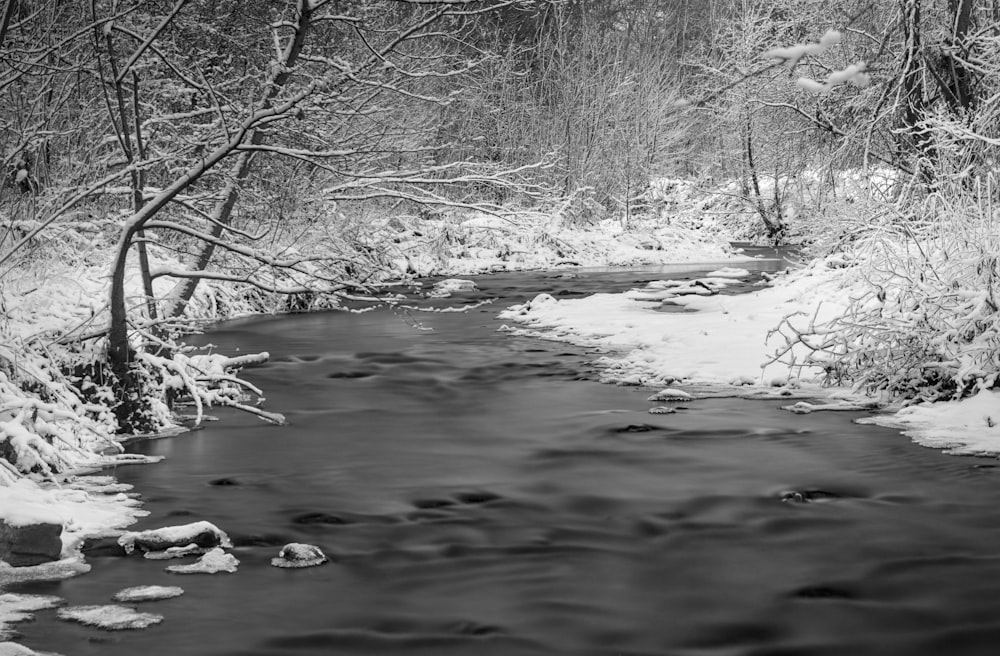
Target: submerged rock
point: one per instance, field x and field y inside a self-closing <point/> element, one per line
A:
<point x="33" y="544"/>
<point x="147" y="593"/>
<point x="662" y="410"/>
<point x="295" y="555"/>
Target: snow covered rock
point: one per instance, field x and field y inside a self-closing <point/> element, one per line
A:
<point x="540" y="301"/>
<point x="202" y="534"/>
<point x="451" y="285"/>
<point x="147" y="593"/>
<point x="175" y="552"/>
<point x="295" y="554"/>
<point x="110" y="617"/>
<point x="662" y="410"/>
<point x="32" y="544"/>
<point x="729" y="272"/>
<point x="670" y="394"/>
<point x="213" y="562"/>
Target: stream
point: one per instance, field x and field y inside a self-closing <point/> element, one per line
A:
<point x="481" y="494"/>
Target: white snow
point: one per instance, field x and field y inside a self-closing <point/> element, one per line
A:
<point x="14" y="649"/>
<point x="729" y="272"/>
<point x="792" y="54"/>
<point x="111" y="617"/>
<point x="170" y="536"/>
<point x="670" y="394"/>
<point x="448" y="287"/>
<point x="967" y="427"/>
<point x="19" y="608"/>
<point x="147" y="593"/>
<point x="213" y="562"/>
<point x="175" y="552"/>
<point x="55" y="571"/>
<point x="724" y="341"/>
<point x="84" y="505"/>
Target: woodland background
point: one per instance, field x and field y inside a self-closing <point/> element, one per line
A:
<point x="284" y="147"/>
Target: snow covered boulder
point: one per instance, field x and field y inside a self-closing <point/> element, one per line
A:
<point x="451" y="285"/>
<point x="294" y="555"/>
<point x="32" y="544"/>
<point x="670" y="394"/>
<point x="202" y="534"/>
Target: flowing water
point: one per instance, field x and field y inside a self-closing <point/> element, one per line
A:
<point x="481" y="494"/>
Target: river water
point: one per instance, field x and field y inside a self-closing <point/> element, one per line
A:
<point x="481" y="494"/>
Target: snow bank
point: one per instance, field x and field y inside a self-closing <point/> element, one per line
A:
<point x="480" y="244"/>
<point x="967" y="427"/>
<point x="14" y="649"/>
<point x="85" y="506"/>
<point x="19" y="608"/>
<point x="718" y="340"/>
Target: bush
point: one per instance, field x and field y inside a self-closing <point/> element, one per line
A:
<point x="924" y="324"/>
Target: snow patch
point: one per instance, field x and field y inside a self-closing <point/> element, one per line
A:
<point x="110" y="618"/>
<point x="729" y="272"/>
<point x="448" y="287"/>
<point x="147" y="593"/>
<point x="19" y="608"/>
<point x="967" y="427"/>
<point x="213" y="562"/>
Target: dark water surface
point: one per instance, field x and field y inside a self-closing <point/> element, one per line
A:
<point x="479" y="494"/>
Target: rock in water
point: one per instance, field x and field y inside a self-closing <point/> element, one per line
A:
<point x="447" y="287"/>
<point x="34" y="544"/>
<point x="147" y="593"/>
<point x="201" y="534"/>
<point x="295" y="555"/>
<point x="670" y="394"/>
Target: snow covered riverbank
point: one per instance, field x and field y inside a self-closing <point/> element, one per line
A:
<point x="52" y="432"/>
<point x="694" y="335"/>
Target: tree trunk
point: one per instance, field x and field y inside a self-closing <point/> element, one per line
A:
<point x="132" y="410"/>
<point x="184" y="290"/>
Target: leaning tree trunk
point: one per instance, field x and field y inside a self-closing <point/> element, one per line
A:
<point x="133" y="408"/>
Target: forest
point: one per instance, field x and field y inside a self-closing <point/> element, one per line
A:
<point x="167" y="164"/>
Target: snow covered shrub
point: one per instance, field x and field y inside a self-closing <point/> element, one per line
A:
<point x="925" y="323"/>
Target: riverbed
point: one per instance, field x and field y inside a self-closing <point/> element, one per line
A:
<point x="481" y="493"/>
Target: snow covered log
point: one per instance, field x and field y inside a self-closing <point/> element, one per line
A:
<point x="203" y="534"/>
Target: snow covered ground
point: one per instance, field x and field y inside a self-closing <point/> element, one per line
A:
<point x="690" y="333"/>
